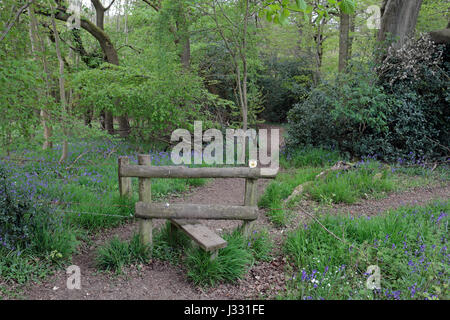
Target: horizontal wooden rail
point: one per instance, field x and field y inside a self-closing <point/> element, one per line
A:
<point x="185" y="172"/>
<point x="146" y="210"/>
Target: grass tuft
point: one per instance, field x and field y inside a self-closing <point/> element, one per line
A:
<point x="116" y="254"/>
<point x="231" y="263"/>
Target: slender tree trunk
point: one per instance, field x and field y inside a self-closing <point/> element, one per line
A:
<point x="62" y="90"/>
<point x="118" y="18"/>
<point x="344" y="41"/>
<point x="351" y="37"/>
<point x="125" y="28"/>
<point x="108" y="119"/>
<point x="38" y="45"/>
<point x="182" y="36"/>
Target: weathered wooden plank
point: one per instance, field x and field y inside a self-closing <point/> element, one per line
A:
<point x="194" y="211"/>
<point x="185" y="172"/>
<point x="202" y="235"/>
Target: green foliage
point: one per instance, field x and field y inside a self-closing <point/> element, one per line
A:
<point x="408" y="245"/>
<point x="400" y="113"/>
<point x="19" y="99"/>
<point x="162" y="99"/>
<point x="283" y="83"/>
<point x="279" y="11"/>
<point x="350" y="114"/>
<point x="416" y="78"/>
<point x="16" y="215"/>
<point x="25" y="224"/>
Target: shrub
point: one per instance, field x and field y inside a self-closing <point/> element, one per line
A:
<point x="27" y="225"/>
<point x="284" y="82"/>
<point x="417" y="76"/>
<point x="16" y="214"/>
<point x="402" y="108"/>
<point x="309" y="121"/>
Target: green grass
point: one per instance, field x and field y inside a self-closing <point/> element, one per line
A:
<point x="260" y="245"/>
<point x="409" y="245"/>
<point x="231" y="263"/>
<point x="174" y="246"/>
<point x="368" y="180"/>
<point x="115" y="254"/>
<point x="22" y="266"/>
<point x="309" y="157"/>
<point x="280" y="189"/>
<point x="170" y="245"/>
<point x="416" y="176"/>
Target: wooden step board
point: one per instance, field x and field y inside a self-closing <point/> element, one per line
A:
<point x="202" y="235"/>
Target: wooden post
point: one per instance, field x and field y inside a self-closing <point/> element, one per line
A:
<point x="172" y="232"/>
<point x="214" y="255"/>
<point x="145" y="195"/>
<point x="250" y="200"/>
<point x="125" y="187"/>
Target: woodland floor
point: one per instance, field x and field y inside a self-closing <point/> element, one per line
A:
<point x="161" y="280"/>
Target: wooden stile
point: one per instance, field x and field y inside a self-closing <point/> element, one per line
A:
<point x="183" y="216"/>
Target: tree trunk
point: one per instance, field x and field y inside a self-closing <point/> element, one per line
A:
<point x="351" y="37"/>
<point x="344" y="41"/>
<point x="62" y="90"/>
<point x="38" y="45"/>
<point x="398" y="20"/>
<point x="108" y="119"/>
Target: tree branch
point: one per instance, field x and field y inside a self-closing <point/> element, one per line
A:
<point x="11" y="23"/>
<point x="153" y="5"/>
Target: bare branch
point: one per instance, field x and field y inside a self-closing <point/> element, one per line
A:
<point x="153" y="5"/>
<point x="112" y="2"/>
<point x="11" y="23"/>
